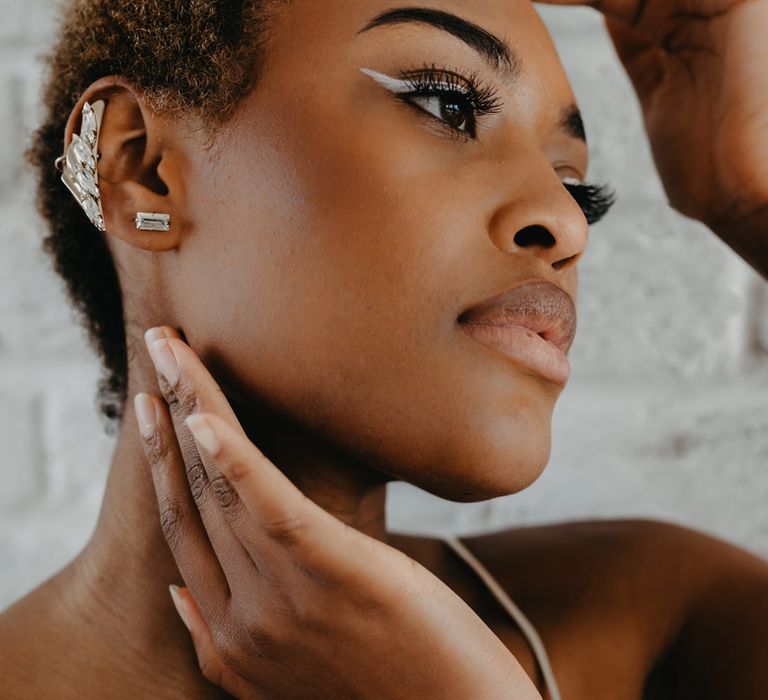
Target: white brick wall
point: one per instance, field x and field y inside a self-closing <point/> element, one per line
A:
<point x="666" y="414"/>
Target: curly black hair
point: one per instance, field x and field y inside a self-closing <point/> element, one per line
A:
<point x="197" y="57"/>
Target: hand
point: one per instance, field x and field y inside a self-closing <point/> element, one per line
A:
<point x="283" y="600"/>
<point x="700" y="69"/>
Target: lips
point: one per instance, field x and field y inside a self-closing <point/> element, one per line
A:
<point x="534" y="324"/>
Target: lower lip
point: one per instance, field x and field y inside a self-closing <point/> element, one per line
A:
<point x="526" y="347"/>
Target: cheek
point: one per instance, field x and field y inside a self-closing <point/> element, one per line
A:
<point x="332" y="290"/>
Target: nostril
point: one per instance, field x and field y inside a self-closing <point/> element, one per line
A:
<point x="534" y="235"/>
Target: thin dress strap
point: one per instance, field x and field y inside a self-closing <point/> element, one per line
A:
<point x="523" y="622"/>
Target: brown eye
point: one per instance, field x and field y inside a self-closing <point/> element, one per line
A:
<point x="456" y="101"/>
<point x="454" y="113"/>
<point x="451" y="108"/>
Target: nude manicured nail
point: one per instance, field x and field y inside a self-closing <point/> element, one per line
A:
<point x="164" y="359"/>
<point x="178" y="603"/>
<point x="146" y="416"/>
<point x="154" y="334"/>
<point x="203" y="433"/>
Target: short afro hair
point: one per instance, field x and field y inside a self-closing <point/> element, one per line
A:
<point x="196" y="57"/>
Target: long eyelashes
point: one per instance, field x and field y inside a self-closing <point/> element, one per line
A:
<point x="595" y="200"/>
<point x="461" y="99"/>
<point x="464" y="99"/>
<point x="470" y="91"/>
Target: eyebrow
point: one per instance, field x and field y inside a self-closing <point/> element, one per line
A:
<point x="491" y="48"/>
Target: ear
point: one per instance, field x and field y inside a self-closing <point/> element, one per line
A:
<point x="139" y="165"/>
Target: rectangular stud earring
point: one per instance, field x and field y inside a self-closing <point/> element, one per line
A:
<point x="152" y="221"/>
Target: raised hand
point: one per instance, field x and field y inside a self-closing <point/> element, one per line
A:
<point x="700" y="69"/>
<point x="282" y="599"/>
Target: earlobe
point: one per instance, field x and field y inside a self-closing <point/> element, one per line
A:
<point x="134" y="192"/>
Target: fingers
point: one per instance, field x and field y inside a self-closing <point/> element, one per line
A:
<point x="278" y="511"/>
<point x="179" y="518"/>
<point x="183" y="379"/>
<point x="242" y="497"/>
<point x="188" y="387"/>
<point x="642" y="58"/>
<point x="274" y="504"/>
<point x="211" y="665"/>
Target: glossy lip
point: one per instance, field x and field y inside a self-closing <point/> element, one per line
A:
<point x="534" y="324"/>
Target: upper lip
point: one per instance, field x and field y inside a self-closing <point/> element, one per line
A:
<point x="540" y="305"/>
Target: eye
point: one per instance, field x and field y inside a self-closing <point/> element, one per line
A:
<point x="451" y="107"/>
<point x="454" y="100"/>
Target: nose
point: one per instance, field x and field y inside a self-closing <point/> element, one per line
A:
<point x="540" y="217"/>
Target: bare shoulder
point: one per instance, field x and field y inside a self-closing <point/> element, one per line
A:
<point x="689" y="609"/>
<point x="619" y="557"/>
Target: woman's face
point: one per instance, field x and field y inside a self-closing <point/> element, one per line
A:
<point x="340" y="232"/>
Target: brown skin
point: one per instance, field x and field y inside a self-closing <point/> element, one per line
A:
<point x="354" y="276"/>
<point x="296" y="604"/>
<point x="266" y="636"/>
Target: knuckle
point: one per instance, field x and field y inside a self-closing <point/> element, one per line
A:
<point x="225" y="494"/>
<point x="193" y="463"/>
<point x="182" y="398"/>
<point x="155" y="450"/>
<point x="239" y="645"/>
<point x="237" y="651"/>
<point x="166" y="388"/>
<point x="187" y="397"/>
<point x="196" y="477"/>
<point x="171" y="519"/>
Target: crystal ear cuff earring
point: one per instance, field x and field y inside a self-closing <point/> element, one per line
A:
<point x="78" y="164"/>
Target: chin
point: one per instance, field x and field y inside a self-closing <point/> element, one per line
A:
<point x="504" y="459"/>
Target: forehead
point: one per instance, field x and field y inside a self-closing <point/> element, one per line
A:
<point x="309" y="24"/>
<point x="320" y="38"/>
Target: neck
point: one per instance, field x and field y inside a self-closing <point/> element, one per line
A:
<point x="122" y="575"/>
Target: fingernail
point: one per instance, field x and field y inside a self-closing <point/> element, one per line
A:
<point x="178" y="603"/>
<point x="165" y="361"/>
<point x="146" y="416"/>
<point x="154" y="334"/>
<point x="204" y="434"/>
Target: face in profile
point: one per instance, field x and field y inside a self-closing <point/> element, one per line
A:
<point x="386" y="176"/>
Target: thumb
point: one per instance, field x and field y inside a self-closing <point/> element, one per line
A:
<point x="211" y="665"/>
<point x="643" y="59"/>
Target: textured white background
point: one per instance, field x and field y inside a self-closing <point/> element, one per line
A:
<point x="666" y="414"/>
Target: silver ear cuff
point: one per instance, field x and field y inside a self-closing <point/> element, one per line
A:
<point x="78" y="164"/>
<point x="79" y="174"/>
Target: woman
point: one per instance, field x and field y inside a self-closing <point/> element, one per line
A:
<point x="336" y="204"/>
